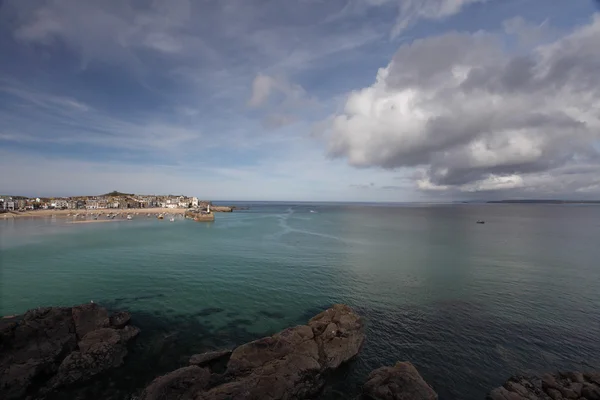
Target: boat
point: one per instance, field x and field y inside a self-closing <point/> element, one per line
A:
<point x="172" y="219"/>
<point x="481" y="222"/>
<point x="160" y="216"/>
<point x="312" y="211"/>
<point x="129" y="217"/>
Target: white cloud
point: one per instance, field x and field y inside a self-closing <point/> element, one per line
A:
<point x="475" y="117"/>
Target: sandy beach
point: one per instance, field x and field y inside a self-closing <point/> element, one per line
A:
<point x="121" y="213"/>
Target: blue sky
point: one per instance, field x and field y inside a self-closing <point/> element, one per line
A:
<point x="358" y="100"/>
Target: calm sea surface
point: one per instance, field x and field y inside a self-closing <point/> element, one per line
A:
<point x="468" y="304"/>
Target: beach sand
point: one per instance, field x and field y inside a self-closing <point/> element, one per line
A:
<point x="92" y="221"/>
<point x="82" y="213"/>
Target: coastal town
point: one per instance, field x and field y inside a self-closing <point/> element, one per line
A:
<point x="113" y="200"/>
<point x="110" y="206"/>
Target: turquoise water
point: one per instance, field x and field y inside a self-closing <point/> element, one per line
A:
<point x="468" y="304"/>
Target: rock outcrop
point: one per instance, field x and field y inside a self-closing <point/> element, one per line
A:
<point x="180" y="384"/>
<point x="291" y="364"/>
<point x="400" y="382"/>
<point x="564" y="385"/>
<point x="209" y="358"/>
<point x="221" y="209"/>
<point x="48" y="348"/>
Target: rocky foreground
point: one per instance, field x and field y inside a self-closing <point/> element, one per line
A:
<point x="49" y="349"/>
<point x="291" y="364"/>
<point x="567" y="385"/>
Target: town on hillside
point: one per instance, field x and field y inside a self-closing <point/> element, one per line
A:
<point x="113" y="200"/>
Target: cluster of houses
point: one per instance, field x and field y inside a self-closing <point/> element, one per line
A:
<point x="8" y="203"/>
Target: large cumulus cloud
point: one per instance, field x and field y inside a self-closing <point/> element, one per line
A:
<point x="471" y="113"/>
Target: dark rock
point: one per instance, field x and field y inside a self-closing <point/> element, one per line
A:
<point x="288" y="365"/>
<point x="207" y="358"/>
<point x="565" y="385"/>
<point x="590" y="391"/>
<point x="120" y="319"/>
<point x="40" y="350"/>
<point x="593" y="377"/>
<point x="554" y="394"/>
<point x="400" y="382"/>
<point x="33" y="348"/>
<point x="339" y="333"/>
<point x="89" y="317"/>
<point x="502" y="393"/>
<point x="573" y="376"/>
<point x="180" y="384"/>
<point x="128" y="333"/>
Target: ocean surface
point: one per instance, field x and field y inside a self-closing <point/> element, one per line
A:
<point x="468" y="304"/>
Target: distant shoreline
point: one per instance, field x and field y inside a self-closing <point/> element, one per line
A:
<point x="71" y="213"/>
<point x="544" y="202"/>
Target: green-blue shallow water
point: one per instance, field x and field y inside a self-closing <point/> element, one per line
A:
<point x="468" y="304"/>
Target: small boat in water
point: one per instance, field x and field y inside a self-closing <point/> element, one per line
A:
<point x="172" y="219"/>
<point x="129" y="217"/>
<point x="160" y="216"/>
<point x="481" y="222"/>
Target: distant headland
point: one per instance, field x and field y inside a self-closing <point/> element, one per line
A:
<point x="540" y="201"/>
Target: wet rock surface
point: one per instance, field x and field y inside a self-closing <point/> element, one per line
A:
<point x="564" y="385"/>
<point x="48" y="348"/>
<point x="291" y="364"/>
<point x="400" y="382"/>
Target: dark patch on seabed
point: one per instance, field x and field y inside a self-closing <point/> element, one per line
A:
<point x="272" y="314"/>
<point x="205" y="312"/>
<point x="121" y="300"/>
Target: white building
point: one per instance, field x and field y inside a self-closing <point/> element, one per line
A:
<point x="91" y="204"/>
<point x="60" y="203"/>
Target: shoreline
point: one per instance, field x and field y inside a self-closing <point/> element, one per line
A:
<point x="84" y="213"/>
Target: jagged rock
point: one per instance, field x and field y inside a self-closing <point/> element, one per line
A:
<point x="338" y="332"/>
<point x="128" y="333"/>
<point x="207" y="358"/>
<point x="120" y="319"/>
<point x="290" y="364"/>
<point x="89" y="317"/>
<point x="33" y="347"/>
<point x="180" y="384"/>
<point x="400" y="382"/>
<point x="566" y="385"/>
<point x="40" y="350"/>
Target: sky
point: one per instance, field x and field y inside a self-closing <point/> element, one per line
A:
<point x="306" y="100"/>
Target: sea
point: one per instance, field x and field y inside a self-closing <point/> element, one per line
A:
<point x="468" y="304"/>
